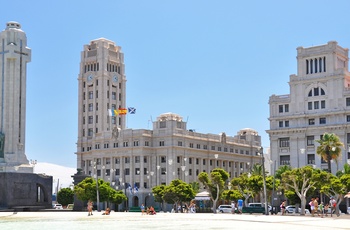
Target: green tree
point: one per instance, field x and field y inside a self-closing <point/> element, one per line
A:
<point x="86" y="190"/>
<point x="329" y="148"/>
<point x="65" y="196"/>
<point x="178" y="191"/>
<point x="215" y="184"/>
<point x="195" y="186"/>
<point x="232" y="194"/>
<point x="158" y="193"/>
<point x="242" y="185"/>
<point x="281" y="170"/>
<point x="346" y="170"/>
<point x="301" y="180"/>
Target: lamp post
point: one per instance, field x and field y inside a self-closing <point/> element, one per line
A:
<point x="261" y="153"/>
<point x="97" y="192"/>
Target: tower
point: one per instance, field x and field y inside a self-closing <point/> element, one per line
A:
<point x="14" y="56"/>
<point x="319" y="102"/>
<point x="101" y="88"/>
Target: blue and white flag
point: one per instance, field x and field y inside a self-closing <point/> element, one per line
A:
<point x="131" y="110"/>
<point x="136" y="189"/>
<point x="130" y="189"/>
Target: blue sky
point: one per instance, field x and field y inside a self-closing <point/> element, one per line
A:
<point x="216" y="63"/>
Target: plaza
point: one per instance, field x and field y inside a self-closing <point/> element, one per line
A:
<point x="130" y="221"/>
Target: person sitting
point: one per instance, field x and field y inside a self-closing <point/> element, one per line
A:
<point x="107" y="212"/>
<point x="152" y="211"/>
<point x="147" y="210"/>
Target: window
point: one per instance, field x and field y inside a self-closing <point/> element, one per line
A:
<point x="284" y="142"/>
<point x="137" y="159"/>
<point x="163" y="159"/>
<point x="280" y="108"/>
<point x="323" y="120"/>
<point x="179" y="143"/>
<point x="203" y="161"/>
<point x="198" y="146"/>
<point x="114" y="95"/>
<point x="205" y="146"/>
<point x="137" y="171"/>
<point x="91" y="106"/>
<point x="280" y="124"/>
<point x="219" y="149"/>
<point x="212" y="147"/>
<point x="162" y="124"/>
<point x="190" y="160"/>
<point x="286" y="123"/>
<point x="146" y="143"/>
<point x="197" y="161"/>
<point x="347" y="118"/>
<point x="125" y="144"/>
<point x="311" y="159"/>
<point x="316" y="91"/>
<point x="127" y="160"/>
<point x="311" y="121"/>
<point x="144" y="159"/>
<point x="178" y="159"/>
<point x="136" y="143"/>
<point x="285" y="160"/>
<point x="316" y="105"/>
<point x="310" y="140"/>
<point x="90" y="119"/>
<point x="117" y="161"/>
<point x="348" y="101"/>
<point x="309" y="105"/>
<point x="286" y="108"/>
<point x="91" y="95"/>
<point x="323" y="104"/>
<point x="161" y="143"/>
<point x="191" y="145"/>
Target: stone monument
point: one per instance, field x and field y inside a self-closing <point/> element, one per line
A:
<point x="20" y="188"/>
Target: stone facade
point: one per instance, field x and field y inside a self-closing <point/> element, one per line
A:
<point x="135" y="160"/>
<point x="319" y="102"/>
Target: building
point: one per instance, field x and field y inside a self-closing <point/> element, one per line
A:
<point x="319" y="102"/>
<point x="20" y="189"/>
<point x="136" y="160"/>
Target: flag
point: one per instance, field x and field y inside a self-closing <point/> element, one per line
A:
<point x="130" y="189"/>
<point x="122" y="111"/>
<point x="110" y="113"/>
<point x="115" y="112"/>
<point x="136" y="189"/>
<point x="131" y="110"/>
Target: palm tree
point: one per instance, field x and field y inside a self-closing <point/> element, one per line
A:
<point x="329" y="148"/>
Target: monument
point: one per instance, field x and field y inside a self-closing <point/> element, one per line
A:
<point x="19" y="186"/>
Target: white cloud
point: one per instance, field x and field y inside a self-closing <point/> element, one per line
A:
<point x="61" y="175"/>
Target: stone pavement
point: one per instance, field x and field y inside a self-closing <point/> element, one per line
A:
<point x="130" y="221"/>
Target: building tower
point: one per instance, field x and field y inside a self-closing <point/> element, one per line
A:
<point x="102" y="83"/>
<point x="14" y="56"/>
<point x="319" y="102"/>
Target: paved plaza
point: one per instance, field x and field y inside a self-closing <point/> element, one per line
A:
<point x="131" y="221"/>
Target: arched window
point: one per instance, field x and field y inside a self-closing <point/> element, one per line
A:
<point x="322" y="92"/>
<point x="324" y="64"/>
<point x="320" y="64"/>
<point x="307" y="66"/>
<point x="310" y="93"/>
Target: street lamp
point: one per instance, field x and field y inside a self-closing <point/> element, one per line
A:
<point x="97" y="192"/>
<point x="261" y="153"/>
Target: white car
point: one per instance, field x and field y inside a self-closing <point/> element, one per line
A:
<point x="225" y="209"/>
<point x="57" y="206"/>
<point x="290" y="209"/>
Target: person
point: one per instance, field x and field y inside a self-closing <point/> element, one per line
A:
<point x="233" y="205"/>
<point x="312" y="206"/>
<point x="147" y="211"/>
<point x="107" y="212"/>
<point x="332" y="204"/>
<point x="240" y="206"/>
<point x="192" y="207"/>
<point x="316" y="206"/>
<point x="321" y="207"/>
<point x="142" y="209"/>
<point x="89" y="207"/>
<point x="152" y="211"/>
<point x="326" y="207"/>
<point x="283" y="207"/>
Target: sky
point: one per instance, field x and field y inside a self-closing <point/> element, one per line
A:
<point x="215" y="63"/>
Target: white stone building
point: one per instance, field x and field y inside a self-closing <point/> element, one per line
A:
<point x="142" y="158"/>
<point x="319" y="102"/>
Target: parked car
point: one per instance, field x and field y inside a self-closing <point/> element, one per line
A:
<point x="225" y="209"/>
<point x="57" y="206"/>
<point x="292" y="209"/>
<point x="70" y="206"/>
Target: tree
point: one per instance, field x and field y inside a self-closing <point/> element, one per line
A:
<point x="346" y="170"/>
<point x="301" y="180"/>
<point x="65" y="196"/>
<point x="329" y="148"/>
<point x="281" y="170"/>
<point x="242" y="185"/>
<point x="158" y="193"/>
<point x="86" y="190"/>
<point x="178" y="191"/>
<point x="215" y="184"/>
<point x="232" y="194"/>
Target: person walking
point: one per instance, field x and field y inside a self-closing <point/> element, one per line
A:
<point x="312" y="206"/>
<point x="316" y="206"/>
<point x="321" y="208"/>
<point x="240" y="206"/>
<point x="283" y="207"/>
<point x="89" y="207"/>
<point x="142" y="209"/>
<point x="332" y="204"/>
<point x="326" y="207"/>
